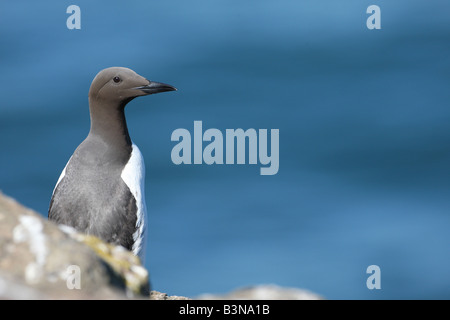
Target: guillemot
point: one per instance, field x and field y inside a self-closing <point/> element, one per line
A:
<point x="101" y="189"/>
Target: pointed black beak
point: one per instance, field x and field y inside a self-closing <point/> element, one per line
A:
<point x="156" y="87"/>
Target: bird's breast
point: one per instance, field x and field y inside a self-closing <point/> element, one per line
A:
<point x="133" y="174"/>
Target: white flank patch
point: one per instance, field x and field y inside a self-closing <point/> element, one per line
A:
<point x="30" y="230"/>
<point x="61" y="176"/>
<point x="67" y="229"/>
<point x="134" y="177"/>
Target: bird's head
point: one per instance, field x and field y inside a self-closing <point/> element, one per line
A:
<point x="120" y="85"/>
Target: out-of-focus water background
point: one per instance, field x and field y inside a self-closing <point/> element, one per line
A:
<point x="364" y="134"/>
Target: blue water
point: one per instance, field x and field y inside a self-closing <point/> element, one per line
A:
<point x="364" y="134"/>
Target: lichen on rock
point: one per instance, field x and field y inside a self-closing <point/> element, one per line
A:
<point x="36" y="253"/>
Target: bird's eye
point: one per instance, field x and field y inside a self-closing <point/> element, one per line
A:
<point x="116" y="79"/>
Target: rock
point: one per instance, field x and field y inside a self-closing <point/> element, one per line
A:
<point x="155" y="295"/>
<point x="122" y="261"/>
<point x="263" y="292"/>
<point x="38" y="259"/>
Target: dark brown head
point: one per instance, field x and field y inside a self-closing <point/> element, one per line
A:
<point x="110" y="91"/>
<point x="117" y="85"/>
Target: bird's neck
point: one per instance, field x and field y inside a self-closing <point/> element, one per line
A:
<point x="108" y="122"/>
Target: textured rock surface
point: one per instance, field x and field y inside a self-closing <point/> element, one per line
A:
<point x="124" y="263"/>
<point x="264" y="292"/>
<point x="155" y="295"/>
<point x="36" y="254"/>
